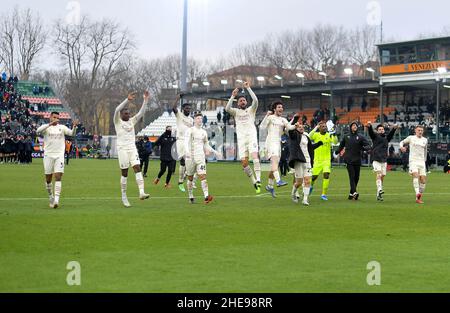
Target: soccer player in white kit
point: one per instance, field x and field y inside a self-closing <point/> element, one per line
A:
<point x="54" y="149"/>
<point x="184" y="122"/>
<point x="247" y="136"/>
<point x="126" y="147"/>
<point x="417" y="157"/>
<point x="196" y="143"/>
<point x="276" y="127"/>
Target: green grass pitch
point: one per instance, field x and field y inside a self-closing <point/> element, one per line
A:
<point x="238" y="243"/>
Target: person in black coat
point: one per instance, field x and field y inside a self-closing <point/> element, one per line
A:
<point x="301" y="159"/>
<point x="283" y="165"/>
<point x="380" y="142"/>
<point x="351" y="148"/>
<point x="166" y="141"/>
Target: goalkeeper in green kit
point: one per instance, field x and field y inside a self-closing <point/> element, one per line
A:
<point x="324" y="132"/>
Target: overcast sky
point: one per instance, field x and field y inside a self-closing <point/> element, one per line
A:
<point x="216" y="26"/>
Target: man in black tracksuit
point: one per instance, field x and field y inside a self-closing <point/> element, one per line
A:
<point x="351" y="147"/>
<point x="380" y="143"/>
<point x="166" y="141"/>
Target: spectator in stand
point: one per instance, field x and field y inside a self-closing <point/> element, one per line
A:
<point x="205" y="120"/>
<point x="364" y="104"/>
<point x="284" y="159"/>
<point x="391" y="151"/>
<point x="219" y="116"/>
<point x="349" y="103"/>
<point x="4" y="76"/>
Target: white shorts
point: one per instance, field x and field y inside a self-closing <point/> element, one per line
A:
<point x="53" y="164"/>
<point x="128" y="158"/>
<point x="380" y="167"/>
<point x="247" y="144"/>
<point x="273" y="150"/>
<point x="418" y="167"/>
<point x="195" y="166"/>
<point x="302" y="170"/>
<point x="180" y="148"/>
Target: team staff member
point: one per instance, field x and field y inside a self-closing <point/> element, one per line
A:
<point x="166" y="141"/>
<point x="351" y="147"/>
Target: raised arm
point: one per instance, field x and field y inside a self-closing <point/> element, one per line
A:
<point x="314" y="131"/>
<point x="141" y="112"/>
<point x="229" y="107"/>
<point x="175" y="103"/>
<point x="265" y="122"/>
<point x="392" y="133"/>
<point x="131" y="97"/>
<point x="72" y="132"/>
<point x="288" y="126"/>
<point x="255" y="102"/>
<point x="370" y="130"/>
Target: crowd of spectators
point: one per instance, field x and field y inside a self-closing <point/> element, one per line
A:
<point x="18" y="126"/>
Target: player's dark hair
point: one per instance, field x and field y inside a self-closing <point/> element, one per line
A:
<point x="241" y="96"/>
<point x="275" y="104"/>
<point x="123" y="110"/>
<point x="185" y="105"/>
<point x="54" y="112"/>
<point x="379" y="126"/>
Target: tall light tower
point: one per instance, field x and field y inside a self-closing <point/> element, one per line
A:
<point x="183" y="78"/>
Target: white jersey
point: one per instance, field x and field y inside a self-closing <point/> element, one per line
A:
<point x="245" y="119"/>
<point x="54" y="138"/>
<point x="183" y="124"/>
<point x="304" y="148"/>
<point x="417" y="148"/>
<point x="126" y="134"/>
<point x="196" y="142"/>
<point x="276" y="126"/>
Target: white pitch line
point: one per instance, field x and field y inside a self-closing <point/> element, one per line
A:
<point x="223" y="196"/>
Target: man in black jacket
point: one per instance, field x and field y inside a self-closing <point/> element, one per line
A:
<point x="380" y="144"/>
<point x="351" y="148"/>
<point x="166" y="141"/>
<point x="301" y="159"/>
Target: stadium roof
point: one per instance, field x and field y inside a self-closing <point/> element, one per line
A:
<point x="414" y="41"/>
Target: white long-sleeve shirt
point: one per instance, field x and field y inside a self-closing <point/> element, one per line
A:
<point x="245" y="119"/>
<point x="276" y="126"/>
<point x="54" y="138"/>
<point x="126" y="134"/>
<point x="183" y="124"/>
<point x="417" y="148"/>
<point x="196" y="143"/>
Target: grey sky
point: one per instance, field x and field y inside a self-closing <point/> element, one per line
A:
<point x="216" y="26"/>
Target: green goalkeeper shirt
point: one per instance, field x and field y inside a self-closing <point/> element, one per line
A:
<point x="323" y="153"/>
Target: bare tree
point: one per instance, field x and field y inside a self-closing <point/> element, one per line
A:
<point x="22" y="38"/>
<point x="95" y="54"/>
<point x="361" y="45"/>
<point x="328" y="46"/>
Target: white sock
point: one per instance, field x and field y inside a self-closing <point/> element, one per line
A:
<point x="181" y="174"/>
<point x="276" y="174"/>
<point x="379" y="185"/>
<point x="416" y="185"/>
<point x="270" y="182"/>
<point x="205" y="188"/>
<point x="140" y="182"/>
<point x="248" y="171"/>
<point x="58" y="187"/>
<point x="257" y="169"/>
<point x="422" y="188"/>
<point x="305" y="193"/>
<point x="123" y="185"/>
<point x="195" y="178"/>
<point x="190" y="189"/>
<point x="49" y="188"/>
<point x="294" y="190"/>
